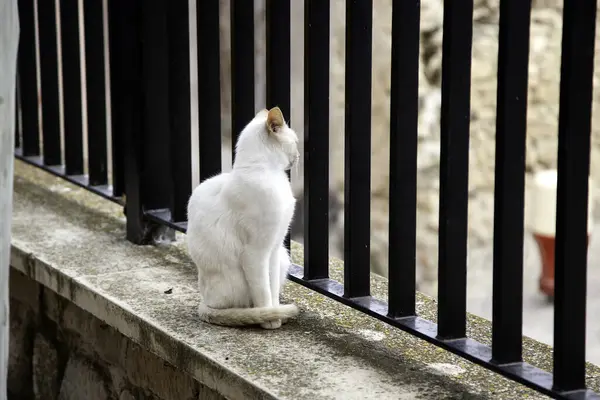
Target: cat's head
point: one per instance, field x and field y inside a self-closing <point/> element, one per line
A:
<point x="268" y="139"/>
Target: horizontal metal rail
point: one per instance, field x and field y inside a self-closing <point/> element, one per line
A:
<point x="80" y="180"/>
<point x="467" y="348"/>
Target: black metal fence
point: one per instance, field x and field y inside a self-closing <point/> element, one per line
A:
<point x="151" y="139"/>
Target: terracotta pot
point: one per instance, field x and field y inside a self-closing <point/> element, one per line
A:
<point x="546" y="245"/>
<point x="542" y="224"/>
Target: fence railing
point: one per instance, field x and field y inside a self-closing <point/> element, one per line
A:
<point x="150" y="137"/>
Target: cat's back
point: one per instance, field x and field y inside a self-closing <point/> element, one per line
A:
<point x="238" y="202"/>
<point x="205" y="197"/>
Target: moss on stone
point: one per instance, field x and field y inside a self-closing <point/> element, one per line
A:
<point x="342" y="332"/>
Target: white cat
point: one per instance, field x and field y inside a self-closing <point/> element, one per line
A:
<point x="237" y="222"/>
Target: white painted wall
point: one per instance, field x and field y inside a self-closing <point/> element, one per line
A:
<point x="9" y="39"/>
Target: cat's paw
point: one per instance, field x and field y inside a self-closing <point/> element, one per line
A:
<point x="271" y="324"/>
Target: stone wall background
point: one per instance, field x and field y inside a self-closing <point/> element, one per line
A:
<point x="544" y="78"/>
<point x="59" y="351"/>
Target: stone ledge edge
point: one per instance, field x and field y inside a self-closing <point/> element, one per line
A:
<point x="156" y="340"/>
<point x="164" y="345"/>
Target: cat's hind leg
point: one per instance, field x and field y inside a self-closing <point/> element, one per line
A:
<point x="274" y="275"/>
<point x="225" y="289"/>
<point x="279" y="265"/>
<point x="256" y="266"/>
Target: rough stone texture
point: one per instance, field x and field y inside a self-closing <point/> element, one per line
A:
<point x="23" y="308"/>
<point x="144" y="368"/>
<point x="349" y="353"/>
<point x="20" y="345"/>
<point x="544" y="77"/>
<point x="45" y="369"/>
<point x="126" y="395"/>
<point x="102" y="363"/>
<point x="82" y="381"/>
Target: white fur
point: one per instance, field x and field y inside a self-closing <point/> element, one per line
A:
<point x="237" y="222"/>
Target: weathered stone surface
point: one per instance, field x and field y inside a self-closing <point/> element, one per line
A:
<point x="138" y="367"/>
<point x="544" y="76"/>
<point x="21" y="349"/>
<point x="82" y="381"/>
<point x="24" y="290"/>
<point x="542" y="122"/>
<point x="45" y="369"/>
<point x="118" y="378"/>
<point x="148" y="371"/>
<point x="126" y="395"/>
<point x="98" y="340"/>
<point x="52" y="305"/>
<point x="377" y="362"/>
<point x="205" y="393"/>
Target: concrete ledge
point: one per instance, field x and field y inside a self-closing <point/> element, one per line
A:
<point x="59" y="351"/>
<point x="72" y="243"/>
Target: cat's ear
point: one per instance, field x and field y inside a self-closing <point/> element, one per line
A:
<point x="275" y="120"/>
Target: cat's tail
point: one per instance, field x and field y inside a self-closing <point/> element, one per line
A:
<point x="246" y="316"/>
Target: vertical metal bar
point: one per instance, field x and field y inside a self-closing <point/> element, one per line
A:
<point x="509" y="194"/>
<point x="156" y="172"/>
<point x="278" y="32"/>
<point x="357" y="176"/>
<point x="209" y="88"/>
<point x="126" y="64"/>
<point x="242" y="67"/>
<point x="142" y="110"/>
<point x="49" y="77"/>
<point x="278" y="55"/>
<point x="454" y="168"/>
<point x="404" y="112"/>
<point x="179" y="107"/>
<point x="28" y="79"/>
<point x="316" y="138"/>
<point x="69" y="22"/>
<point x="96" y="93"/>
<point x="117" y="80"/>
<point x="574" y="128"/>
